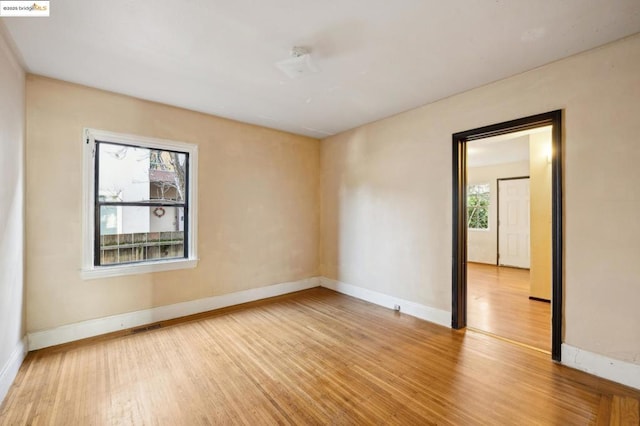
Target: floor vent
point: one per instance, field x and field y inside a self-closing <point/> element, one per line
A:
<point x="147" y="328"/>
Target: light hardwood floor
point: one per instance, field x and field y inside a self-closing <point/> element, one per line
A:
<point x="498" y="302"/>
<point x="314" y="357"/>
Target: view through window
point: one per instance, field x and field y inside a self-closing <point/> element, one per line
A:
<point x="478" y="206"/>
<point x="141" y="204"/>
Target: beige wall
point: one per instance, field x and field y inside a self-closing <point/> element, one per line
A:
<point x="540" y="214"/>
<point x="386" y="193"/>
<point x="12" y="327"/>
<point x="482" y="245"/>
<point x="258" y="206"/>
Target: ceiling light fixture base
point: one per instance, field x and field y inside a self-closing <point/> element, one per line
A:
<point x="299" y="64"/>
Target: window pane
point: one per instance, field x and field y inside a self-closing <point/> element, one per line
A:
<point x="136" y="234"/>
<point x="478" y="206"/>
<point x="134" y="174"/>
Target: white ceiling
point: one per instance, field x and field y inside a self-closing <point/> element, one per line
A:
<point x="481" y="153"/>
<point x="507" y="148"/>
<point x="377" y="57"/>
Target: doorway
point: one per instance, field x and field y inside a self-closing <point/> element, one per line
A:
<point x="509" y="188"/>
<point x="460" y="216"/>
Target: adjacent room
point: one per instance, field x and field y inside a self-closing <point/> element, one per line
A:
<point x="311" y="213"/>
<point x="509" y="203"/>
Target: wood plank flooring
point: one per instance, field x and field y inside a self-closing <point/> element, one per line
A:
<point x="314" y="357"/>
<point x="498" y="303"/>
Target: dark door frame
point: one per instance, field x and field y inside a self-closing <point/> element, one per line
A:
<point x="459" y="246"/>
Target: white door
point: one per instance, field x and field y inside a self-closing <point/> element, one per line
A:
<point x="513" y="222"/>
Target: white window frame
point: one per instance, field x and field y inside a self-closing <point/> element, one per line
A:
<point x="89" y="270"/>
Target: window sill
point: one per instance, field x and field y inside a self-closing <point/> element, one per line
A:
<point x="137" y="268"/>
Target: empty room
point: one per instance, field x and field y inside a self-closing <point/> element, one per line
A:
<point x="302" y="212"/>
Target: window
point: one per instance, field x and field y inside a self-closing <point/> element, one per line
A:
<point x="139" y="204"/>
<point x="478" y="206"/>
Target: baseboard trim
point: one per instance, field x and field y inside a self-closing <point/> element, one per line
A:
<point x="99" y="326"/>
<point x="615" y="370"/>
<point x="608" y="368"/>
<point x="417" y="310"/>
<point x="539" y="299"/>
<point x="10" y="369"/>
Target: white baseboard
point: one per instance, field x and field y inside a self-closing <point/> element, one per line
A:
<point x="615" y="370"/>
<point x="411" y="308"/>
<point x="11" y="367"/>
<point x="618" y="371"/>
<point x="96" y="327"/>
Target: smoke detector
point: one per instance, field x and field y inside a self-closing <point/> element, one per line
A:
<point x="299" y="64"/>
